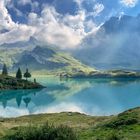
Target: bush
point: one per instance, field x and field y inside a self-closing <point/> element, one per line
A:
<point x="44" y="132"/>
<point x="122" y="121"/>
<point x="112" y="136"/>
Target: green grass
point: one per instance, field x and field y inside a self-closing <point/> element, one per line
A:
<point x="42" y="132"/>
<point x="125" y="126"/>
<point x="73" y="65"/>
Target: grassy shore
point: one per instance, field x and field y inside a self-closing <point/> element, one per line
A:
<point x="125" y="126"/>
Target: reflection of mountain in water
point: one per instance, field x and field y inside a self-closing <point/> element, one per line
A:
<point x="74" y="86"/>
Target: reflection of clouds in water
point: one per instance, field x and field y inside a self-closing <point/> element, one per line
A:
<point x="73" y="87"/>
<point x="74" y="107"/>
<point x="56" y="108"/>
<point x="12" y="112"/>
<point x="97" y="111"/>
<point x="62" y="107"/>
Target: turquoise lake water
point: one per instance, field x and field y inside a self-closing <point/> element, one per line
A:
<point x="90" y="96"/>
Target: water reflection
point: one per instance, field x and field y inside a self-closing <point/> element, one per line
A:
<point x="18" y="95"/>
<point x="90" y="96"/>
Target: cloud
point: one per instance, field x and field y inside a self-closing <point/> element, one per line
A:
<point x="11" y="5"/>
<point x="24" y="2"/>
<point x="79" y="3"/>
<point x="129" y="3"/>
<point x="34" y="5"/>
<point x="18" y="33"/>
<point x="98" y="8"/>
<point x="49" y="26"/>
<point x="5" y="19"/>
<point x="65" y="31"/>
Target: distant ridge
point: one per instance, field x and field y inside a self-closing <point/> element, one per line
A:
<point x="114" y="46"/>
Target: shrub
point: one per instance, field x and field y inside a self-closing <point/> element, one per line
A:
<point x="113" y="136"/>
<point x="44" y="132"/>
<point x="27" y="74"/>
<point x="122" y="121"/>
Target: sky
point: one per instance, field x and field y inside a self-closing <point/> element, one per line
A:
<point x="60" y="22"/>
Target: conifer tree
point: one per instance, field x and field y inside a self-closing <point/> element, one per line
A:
<point x="4" y="70"/>
<point x="19" y="74"/>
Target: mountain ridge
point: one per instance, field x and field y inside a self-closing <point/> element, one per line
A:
<point x="114" y="46"/>
<point x="42" y="59"/>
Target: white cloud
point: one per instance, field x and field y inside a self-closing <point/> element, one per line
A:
<point x="24" y="2"/>
<point x="65" y="31"/>
<point x="18" y="33"/>
<point x="97" y="9"/>
<point x="5" y="19"/>
<point x="129" y="3"/>
<point x="79" y="2"/>
<point x="34" y="5"/>
<point x="49" y="27"/>
<point x="76" y="23"/>
<point x="121" y="14"/>
<point x="91" y="27"/>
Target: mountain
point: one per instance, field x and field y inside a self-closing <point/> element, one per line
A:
<point x="47" y="59"/>
<point x="114" y="46"/>
<point x="21" y="44"/>
<point x="11" y="52"/>
<point x="122" y="24"/>
<point x="38" y="57"/>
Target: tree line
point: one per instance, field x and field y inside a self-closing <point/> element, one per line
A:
<point x="26" y="75"/>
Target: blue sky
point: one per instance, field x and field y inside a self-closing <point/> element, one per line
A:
<point x="111" y="8"/>
<point x="56" y="21"/>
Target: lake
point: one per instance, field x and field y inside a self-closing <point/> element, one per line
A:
<point x="90" y="96"/>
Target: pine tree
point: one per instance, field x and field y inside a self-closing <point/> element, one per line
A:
<point x="19" y="74"/>
<point x="27" y="74"/>
<point x="4" y="70"/>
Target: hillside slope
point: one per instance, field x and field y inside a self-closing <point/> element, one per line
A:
<point x="43" y="59"/>
<point x="121" y="127"/>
